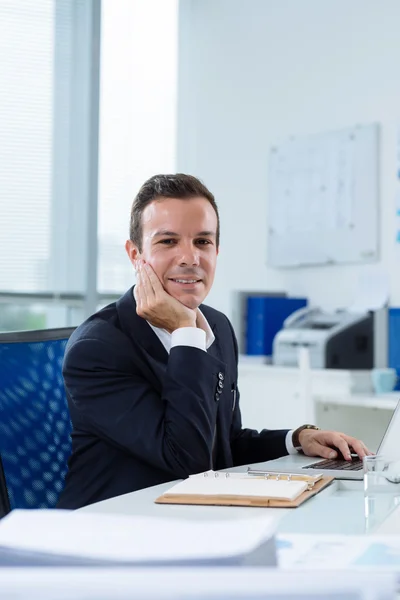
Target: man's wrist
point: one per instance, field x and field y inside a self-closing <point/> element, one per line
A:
<point x="296" y="434"/>
<point x="187" y="323"/>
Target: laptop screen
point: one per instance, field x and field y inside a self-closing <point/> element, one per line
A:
<point x="390" y="444"/>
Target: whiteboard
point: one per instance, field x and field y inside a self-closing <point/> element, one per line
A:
<point x="323" y="199"/>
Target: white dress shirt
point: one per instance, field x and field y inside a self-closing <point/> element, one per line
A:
<point x="202" y="338"/>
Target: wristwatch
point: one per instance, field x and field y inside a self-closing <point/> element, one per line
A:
<point x="296" y="434"/>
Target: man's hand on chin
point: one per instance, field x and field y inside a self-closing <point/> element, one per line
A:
<point x="158" y="307"/>
<point x="331" y="444"/>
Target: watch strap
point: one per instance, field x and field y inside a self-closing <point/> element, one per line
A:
<point x="296" y="434"/>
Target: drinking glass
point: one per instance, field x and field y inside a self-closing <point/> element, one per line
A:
<point x="381" y="488"/>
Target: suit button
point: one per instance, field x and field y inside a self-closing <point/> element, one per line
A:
<point x="221" y="376"/>
<point x="216" y="397"/>
<point x="220" y="385"/>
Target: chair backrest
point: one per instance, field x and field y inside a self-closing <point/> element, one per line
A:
<point x="34" y="419"/>
<point x="4" y="500"/>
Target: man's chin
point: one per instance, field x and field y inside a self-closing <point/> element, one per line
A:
<point x="191" y="300"/>
<point x="188" y="300"/>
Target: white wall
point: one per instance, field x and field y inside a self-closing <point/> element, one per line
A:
<point x="252" y="73"/>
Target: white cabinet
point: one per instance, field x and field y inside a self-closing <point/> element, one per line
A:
<point x="279" y="398"/>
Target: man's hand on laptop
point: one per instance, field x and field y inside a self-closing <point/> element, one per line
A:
<point x="331" y="444"/>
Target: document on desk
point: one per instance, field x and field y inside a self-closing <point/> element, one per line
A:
<point x="67" y="537"/>
<point x="325" y="552"/>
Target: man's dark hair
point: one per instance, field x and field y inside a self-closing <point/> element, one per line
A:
<point x="179" y="186"/>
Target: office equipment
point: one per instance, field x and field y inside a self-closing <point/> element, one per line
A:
<point x="265" y="316"/>
<point x="335" y="340"/>
<point x="323" y="199"/>
<point x="372" y="296"/>
<point x="241" y="489"/>
<point x="34" y="417"/>
<point x="298" y="464"/>
<point x="58" y="537"/>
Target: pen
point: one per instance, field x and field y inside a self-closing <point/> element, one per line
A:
<point x="283" y="476"/>
<point x="233" y="390"/>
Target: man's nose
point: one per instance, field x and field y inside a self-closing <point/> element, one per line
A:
<point x="189" y="255"/>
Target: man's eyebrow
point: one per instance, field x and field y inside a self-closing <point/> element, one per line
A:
<point x="165" y="232"/>
<point x="206" y="234"/>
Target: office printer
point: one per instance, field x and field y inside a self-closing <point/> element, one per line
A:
<point x="337" y="340"/>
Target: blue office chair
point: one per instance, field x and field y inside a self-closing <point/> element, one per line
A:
<point x="34" y="420"/>
<point x="4" y="500"/>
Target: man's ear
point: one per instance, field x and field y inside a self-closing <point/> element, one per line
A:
<point x="132" y="251"/>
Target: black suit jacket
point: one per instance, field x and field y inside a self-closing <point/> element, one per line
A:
<point x="142" y="417"/>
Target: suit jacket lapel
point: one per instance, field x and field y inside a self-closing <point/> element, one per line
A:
<point x="215" y="348"/>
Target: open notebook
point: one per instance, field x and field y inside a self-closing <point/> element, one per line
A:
<point x="241" y="489"/>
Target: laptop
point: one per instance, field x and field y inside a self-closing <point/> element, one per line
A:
<point x="340" y="469"/>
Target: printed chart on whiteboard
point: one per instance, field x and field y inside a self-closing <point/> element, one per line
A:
<point x="323" y="199"/>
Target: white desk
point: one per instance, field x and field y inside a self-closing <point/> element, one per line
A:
<point x="337" y="509"/>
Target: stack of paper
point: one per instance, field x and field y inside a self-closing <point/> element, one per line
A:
<point x="195" y="583"/>
<point x="72" y="538"/>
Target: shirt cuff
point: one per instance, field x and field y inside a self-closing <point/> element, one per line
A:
<point x="189" y="336"/>
<point x="289" y="443"/>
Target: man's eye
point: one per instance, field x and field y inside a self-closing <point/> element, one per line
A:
<point x="203" y="242"/>
<point x="168" y="242"/>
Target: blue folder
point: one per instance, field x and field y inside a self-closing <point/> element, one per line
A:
<point x="394" y="342"/>
<point x="265" y="317"/>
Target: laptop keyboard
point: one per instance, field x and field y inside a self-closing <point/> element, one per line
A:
<point x="337" y="465"/>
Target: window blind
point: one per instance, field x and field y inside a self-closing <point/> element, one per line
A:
<point x="27" y="83"/>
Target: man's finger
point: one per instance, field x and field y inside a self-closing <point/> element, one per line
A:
<point x="343" y="446"/>
<point x="152" y="278"/>
<point x="145" y="281"/>
<point x="359" y="447"/>
<point x="139" y="291"/>
<point x="318" y="449"/>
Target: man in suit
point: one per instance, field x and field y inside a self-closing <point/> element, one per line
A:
<point x="151" y="380"/>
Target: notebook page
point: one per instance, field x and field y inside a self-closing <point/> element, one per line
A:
<point x="244" y="486"/>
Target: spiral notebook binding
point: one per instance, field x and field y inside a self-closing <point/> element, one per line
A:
<point x="311" y="480"/>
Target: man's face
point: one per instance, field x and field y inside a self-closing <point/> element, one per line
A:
<point x="179" y="242"/>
